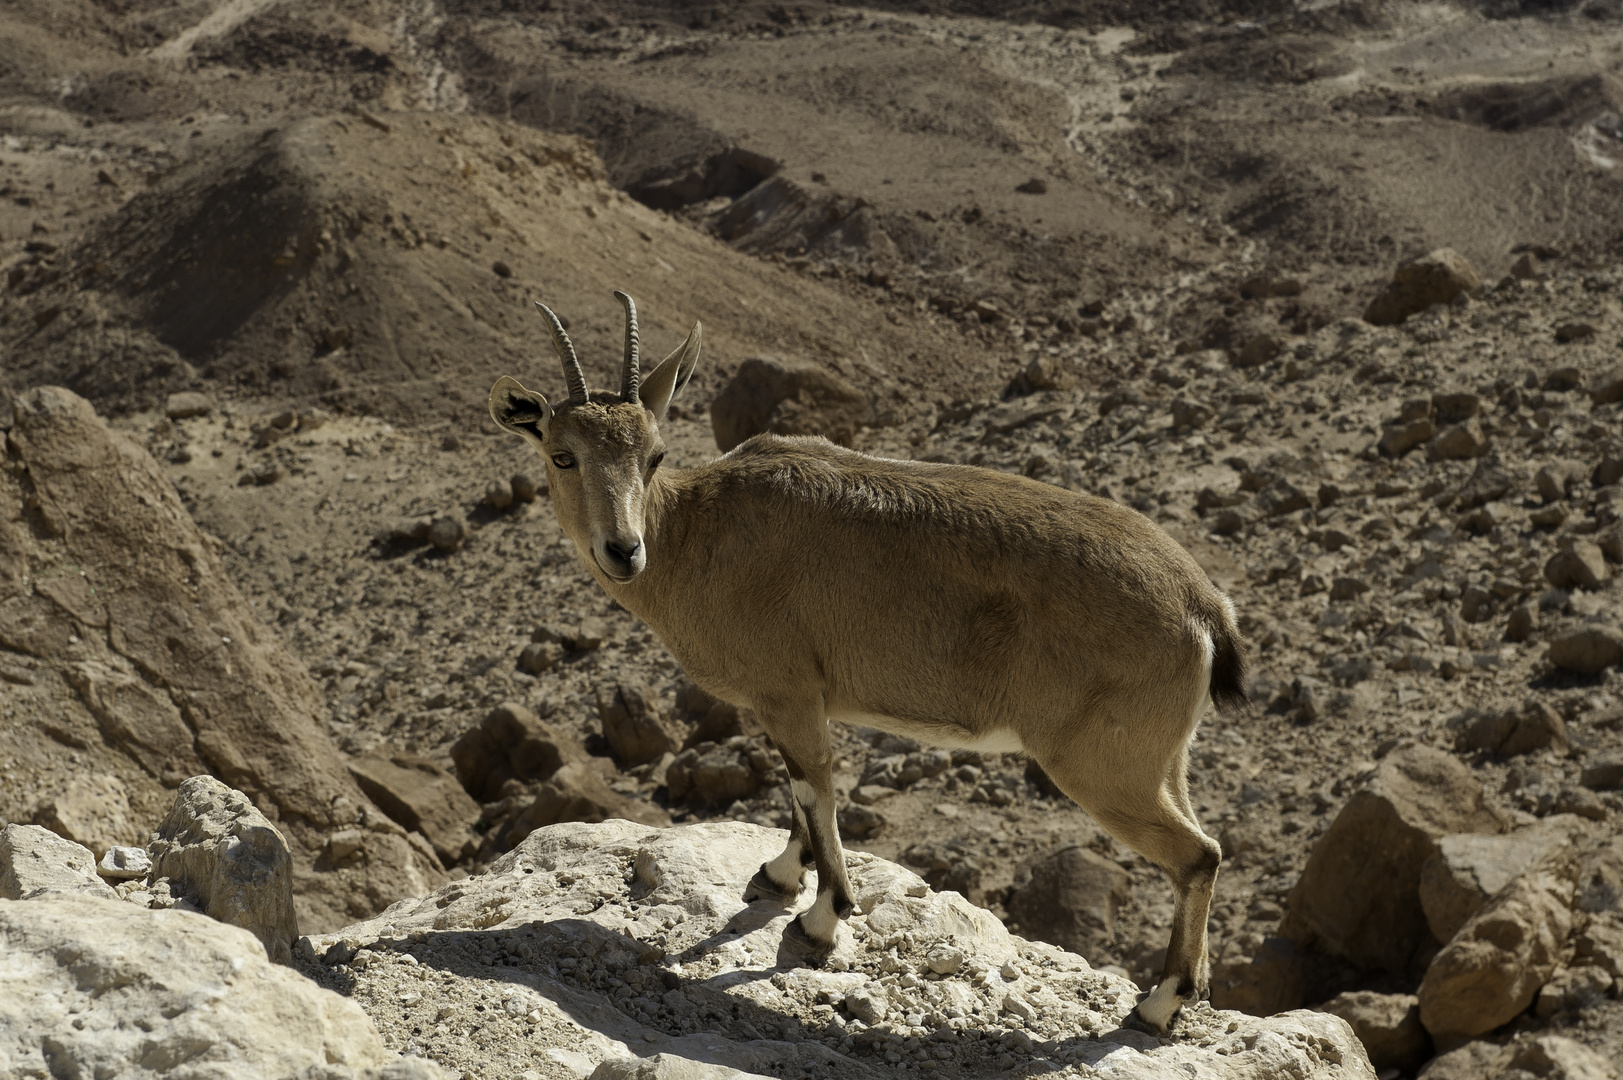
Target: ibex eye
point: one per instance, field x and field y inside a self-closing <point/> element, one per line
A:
<point x="653" y="462"/>
<point x="564" y="461"/>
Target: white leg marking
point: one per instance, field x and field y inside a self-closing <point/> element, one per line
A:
<point x="786" y="870"/>
<point x="1157" y="1009"/>
<point x="819" y="920"/>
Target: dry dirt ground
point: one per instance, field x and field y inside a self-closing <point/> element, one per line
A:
<point x="332" y="220"/>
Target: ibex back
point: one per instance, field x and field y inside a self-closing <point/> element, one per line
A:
<point x="955" y="605"/>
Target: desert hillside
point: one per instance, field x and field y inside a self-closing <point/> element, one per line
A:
<point x="1330" y="292"/>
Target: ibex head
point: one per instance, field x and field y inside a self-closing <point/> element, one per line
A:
<point x="601" y="447"/>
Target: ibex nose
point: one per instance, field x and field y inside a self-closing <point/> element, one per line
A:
<point x="622" y="559"/>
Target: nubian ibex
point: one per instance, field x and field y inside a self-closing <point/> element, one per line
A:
<point x="954" y="605"/>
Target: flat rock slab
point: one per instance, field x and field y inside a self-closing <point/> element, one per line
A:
<point x="35" y="862"/>
<point x="627" y="941"/>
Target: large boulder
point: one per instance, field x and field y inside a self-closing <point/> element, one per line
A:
<point x="1543" y="1057"/>
<point x="1359" y="895"/>
<point x="1387" y="1024"/>
<point x="1070" y="898"/>
<point x="156" y="668"/>
<point x="217" y="850"/>
<point x="97" y="987"/>
<point x="576" y="792"/>
<point x="623" y="940"/>
<point x="1469" y="869"/>
<point x="786" y="398"/>
<point x="1434" y="278"/>
<point x="511" y="743"/>
<point x="91" y="810"/>
<point x="35" y="862"/>
<point x="422" y="797"/>
<point x="1588" y="650"/>
<point x="1496" y="963"/>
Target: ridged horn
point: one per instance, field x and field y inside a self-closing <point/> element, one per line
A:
<point x="631" y="381"/>
<point x="566" y="352"/>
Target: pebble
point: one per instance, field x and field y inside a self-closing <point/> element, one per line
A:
<point x="125" y="863"/>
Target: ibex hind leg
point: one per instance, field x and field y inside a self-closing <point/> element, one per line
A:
<point x="1153" y="818"/>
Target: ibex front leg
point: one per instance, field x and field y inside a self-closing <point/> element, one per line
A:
<point x="802" y="737"/>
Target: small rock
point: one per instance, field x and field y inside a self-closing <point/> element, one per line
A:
<point x="450" y="442"/>
<point x="124" y="864"/>
<point x="1455" y="408"/>
<point x="538" y="656"/>
<point x="1035" y="186"/>
<point x="186" y="404"/>
<point x="1387" y="1024"/>
<point x="1436" y="278"/>
<point x="870" y="1004"/>
<point x="589" y="635"/>
<point x="1572" y="989"/>
<point x="498" y="494"/>
<point x="1580" y="566"/>
<point x="1603" y="773"/>
<point x="524" y="488"/>
<point x="447" y="533"/>
<point x="1563" y="379"/>
<point x="1607" y="390"/>
<point x="716" y="774"/>
<point x="1348" y="588"/>
<point x="91" y="810"/>
<point x="635" y="724"/>
<point x="858" y="822"/>
<point x="214" y="845"/>
<point x="501" y="269"/>
<point x="786" y="398"/>
<point x="577" y="792"/>
<point x="1527" y="268"/>
<point x="1070" y="898"/>
<point x="1588" y="651"/>
<point x="1399" y="439"/>
<point x="1554" y="481"/>
<point x="1257" y="351"/>
<point x="1574" y="331"/>
<point x="945" y="959"/>
<point x="511" y="743"/>
<point x="1458" y="442"/>
<point x="1511" y="732"/>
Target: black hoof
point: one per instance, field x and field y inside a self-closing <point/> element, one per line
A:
<point x="1135" y="1021"/>
<point x="797" y="941"/>
<point x="762" y="887"/>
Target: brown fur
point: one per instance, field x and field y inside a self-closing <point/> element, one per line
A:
<point x="948" y="603"/>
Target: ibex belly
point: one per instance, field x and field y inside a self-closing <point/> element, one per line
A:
<point x="945" y="734"/>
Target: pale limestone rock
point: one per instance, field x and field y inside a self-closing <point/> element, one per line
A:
<point x="217" y="849"/>
<point x="35" y="862"/>
<point x="96" y="987"/>
<point x="93" y="811"/>
<point x="625" y="897"/>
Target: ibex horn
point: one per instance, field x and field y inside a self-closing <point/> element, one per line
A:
<point x="566" y="352"/>
<point x="633" y="373"/>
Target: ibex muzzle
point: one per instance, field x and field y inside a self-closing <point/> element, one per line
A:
<point x="1029" y="618"/>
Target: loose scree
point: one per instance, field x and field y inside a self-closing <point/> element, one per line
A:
<point x="950" y="604"/>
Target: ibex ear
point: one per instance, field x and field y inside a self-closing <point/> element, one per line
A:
<point x="523" y="412"/>
<point x="666" y="381"/>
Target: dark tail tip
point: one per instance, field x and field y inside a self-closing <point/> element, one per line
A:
<point x="1228" y="670"/>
